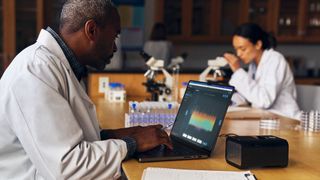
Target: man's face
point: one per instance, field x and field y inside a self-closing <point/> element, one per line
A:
<point x="105" y="44"/>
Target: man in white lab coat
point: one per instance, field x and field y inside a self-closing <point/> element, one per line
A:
<point x="48" y="124"/>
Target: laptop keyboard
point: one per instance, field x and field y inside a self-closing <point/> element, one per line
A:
<point x="178" y="149"/>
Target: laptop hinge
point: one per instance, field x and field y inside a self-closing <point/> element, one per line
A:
<point x="189" y="144"/>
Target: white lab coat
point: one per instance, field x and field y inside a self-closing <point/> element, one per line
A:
<point x="48" y="124"/>
<point x="272" y="86"/>
<point x="159" y="50"/>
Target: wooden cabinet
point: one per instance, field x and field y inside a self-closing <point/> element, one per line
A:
<point x="1" y="39"/>
<point x="8" y="39"/>
<point x="21" y="22"/>
<point x="26" y="28"/>
<point x="51" y="17"/>
<point x="215" y="20"/>
<point x="259" y="12"/>
<point x="312" y="21"/>
<point x="297" y="21"/>
<point x="288" y="24"/>
<point x="230" y="14"/>
<point x="187" y="20"/>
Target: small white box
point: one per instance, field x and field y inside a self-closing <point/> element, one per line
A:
<point x="116" y="95"/>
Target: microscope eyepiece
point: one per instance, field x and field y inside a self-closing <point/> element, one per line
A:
<point x="145" y="55"/>
<point x="184" y="55"/>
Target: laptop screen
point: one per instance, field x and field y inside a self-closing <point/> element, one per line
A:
<point x="201" y="113"/>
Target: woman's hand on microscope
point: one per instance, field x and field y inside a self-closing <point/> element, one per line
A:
<point x="233" y="60"/>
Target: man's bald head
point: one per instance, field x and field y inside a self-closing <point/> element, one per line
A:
<point x="75" y="13"/>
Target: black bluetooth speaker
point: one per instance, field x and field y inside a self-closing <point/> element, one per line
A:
<point x="246" y="152"/>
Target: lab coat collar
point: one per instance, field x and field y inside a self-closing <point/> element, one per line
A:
<point x="264" y="59"/>
<point x="47" y="40"/>
<point x="265" y="56"/>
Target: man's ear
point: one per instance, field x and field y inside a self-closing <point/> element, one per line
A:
<point x="90" y="30"/>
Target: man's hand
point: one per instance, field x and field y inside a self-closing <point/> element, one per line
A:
<point x="119" y="133"/>
<point x="150" y="137"/>
<point x="234" y="61"/>
<point x="146" y="137"/>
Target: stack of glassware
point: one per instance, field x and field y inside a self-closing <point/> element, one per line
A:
<point x="269" y="123"/>
<point x="310" y="121"/>
<point x="150" y="113"/>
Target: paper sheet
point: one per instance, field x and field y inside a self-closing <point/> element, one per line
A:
<point x="152" y="173"/>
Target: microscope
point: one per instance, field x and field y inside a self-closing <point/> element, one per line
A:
<point x="175" y="62"/>
<point x="216" y="66"/>
<point x="160" y="90"/>
<point x="174" y="66"/>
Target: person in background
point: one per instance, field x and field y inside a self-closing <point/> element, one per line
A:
<point x="269" y="82"/>
<point x="158" y="46"/>
<point x="48" y="124"/>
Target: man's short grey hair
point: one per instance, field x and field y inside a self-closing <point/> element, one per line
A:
<point x="75" y="13"/>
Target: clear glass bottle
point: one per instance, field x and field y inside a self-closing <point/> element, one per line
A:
<point x="175" y="84"/>
<point x="133" y="113"/>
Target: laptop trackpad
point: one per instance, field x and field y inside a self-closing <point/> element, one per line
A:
<point x="162" y="153"/>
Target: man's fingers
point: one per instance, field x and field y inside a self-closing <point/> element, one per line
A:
<point x="157" y="126"/>
<point x="167" y="142"/>
<point x="162" y="133"/>
<point x="164" y="139"/>
<point x="151" y="137"/>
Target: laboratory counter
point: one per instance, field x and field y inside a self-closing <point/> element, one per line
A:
<point x="304" y="146"/>
<point x="133" y="81"/>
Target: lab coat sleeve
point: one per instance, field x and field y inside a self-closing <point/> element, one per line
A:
<point x="238" y="100"/>
<point x="51" y="136"/>
<point x="260" y="94"/>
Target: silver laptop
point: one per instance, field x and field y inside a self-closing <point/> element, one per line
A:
<point x="197" y="124"/>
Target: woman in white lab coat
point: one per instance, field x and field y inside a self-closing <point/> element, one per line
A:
<point x="269" y="82"/>
<point x="158" y="46"/>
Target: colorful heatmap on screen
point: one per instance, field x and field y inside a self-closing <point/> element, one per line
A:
<point x="202" y="120"/>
